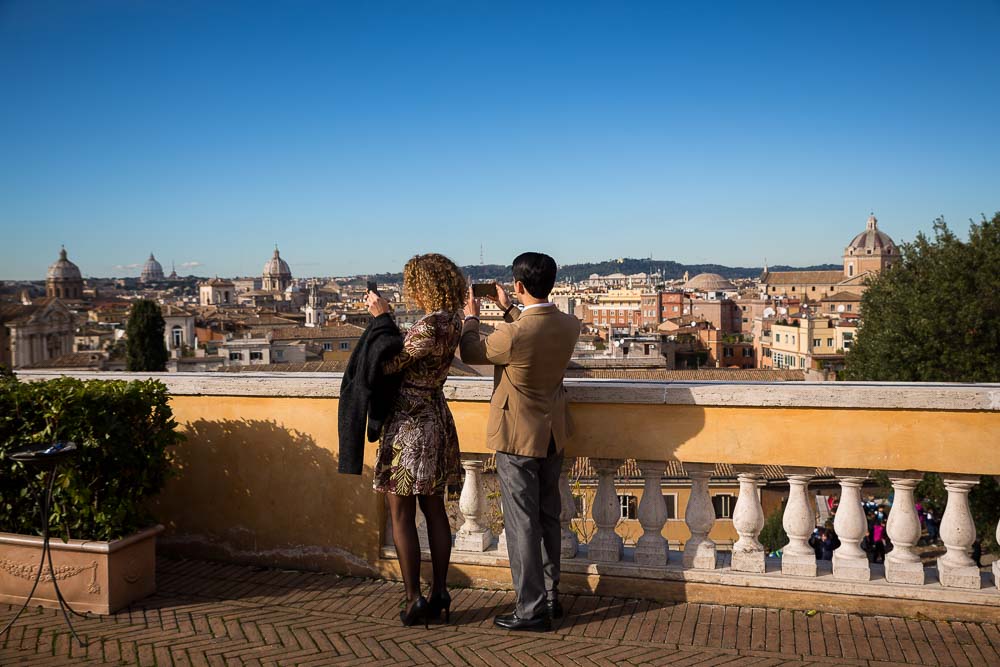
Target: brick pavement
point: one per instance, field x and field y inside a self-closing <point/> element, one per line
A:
<point x="218" y="614"/>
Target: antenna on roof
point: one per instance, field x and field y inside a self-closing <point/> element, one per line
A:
<point x="481" y="262"/>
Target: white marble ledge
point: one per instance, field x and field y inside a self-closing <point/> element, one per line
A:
<point x="856" y="395"/>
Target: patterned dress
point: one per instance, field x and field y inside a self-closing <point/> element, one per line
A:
<point x="418" y="453"/>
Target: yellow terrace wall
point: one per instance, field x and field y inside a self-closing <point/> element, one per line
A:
<point x="257" y="477"/>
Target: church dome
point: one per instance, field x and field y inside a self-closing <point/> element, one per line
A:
<point x="277" y="267"/>
<point x="151" y="270"/>
<point x="709" y="282"/>
<point x="64" y="269"/>
<point x="872" y="241"/>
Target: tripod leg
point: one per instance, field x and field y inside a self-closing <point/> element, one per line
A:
<point x="41" y="563"/>
<point x="47" y="551"/>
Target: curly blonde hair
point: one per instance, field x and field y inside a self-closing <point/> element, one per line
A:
<point x="434" y="283"/>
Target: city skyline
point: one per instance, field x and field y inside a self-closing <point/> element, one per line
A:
<point x="357" y="136"/>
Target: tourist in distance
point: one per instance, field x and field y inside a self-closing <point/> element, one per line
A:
<point x="528" y="427"/>
<point x="418" y="455"/>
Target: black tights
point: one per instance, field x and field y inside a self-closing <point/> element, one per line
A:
<point x="404" y="533"/>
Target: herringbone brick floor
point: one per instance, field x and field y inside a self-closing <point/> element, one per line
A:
<point x="218" y="614"/>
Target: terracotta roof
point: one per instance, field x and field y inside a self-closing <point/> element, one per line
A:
<point x="803" y="277"/>
<point x="309" y="333"/>
<point x="842" y="296"/>
<point x="713" y="374"/>
<point x="457" y="368"/>
<point x="675" y="470"/>
<point x="11" y="311"/>
<point x="73" y="360"/>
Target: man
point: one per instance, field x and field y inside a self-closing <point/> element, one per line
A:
<point x="528" y="428"/>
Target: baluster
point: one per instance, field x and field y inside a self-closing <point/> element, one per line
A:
<point x="748" y="520"/>
<point x="651" y="548"/>
<point x="849" y="560"/>
<point x="606" y="545"/>
<point x="474" y="535"/>
<point x="569" y="542"/>
<point x="699" y="515"/>
<point x="956" y="569"/>
<point x="996" y="563"/>
<point x="797" y="557"/>
<point x="902" y="564"/>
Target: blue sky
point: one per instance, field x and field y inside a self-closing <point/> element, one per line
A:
<point x="358" y="134"/>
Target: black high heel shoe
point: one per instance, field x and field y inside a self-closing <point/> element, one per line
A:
<point x="439" y="602"/>
<point x="417" y="612"/>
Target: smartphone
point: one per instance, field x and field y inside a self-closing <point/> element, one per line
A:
<point x="479" y="290"/>
<point x="373" y="287"/>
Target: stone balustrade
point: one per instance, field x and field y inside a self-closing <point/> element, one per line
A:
<point x="257" y="483"/>
<point x="954" y="570"/>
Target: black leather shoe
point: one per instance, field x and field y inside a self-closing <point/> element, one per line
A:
<point x="515" y="622"/>
<point x="555" y="608"/>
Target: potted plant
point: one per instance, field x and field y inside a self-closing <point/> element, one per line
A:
<point x="103" y="537"/>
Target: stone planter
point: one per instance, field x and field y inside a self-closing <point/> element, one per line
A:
<point x="99" y="577"/>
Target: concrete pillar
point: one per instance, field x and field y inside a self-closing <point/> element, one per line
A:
<point x="474" y="535"/>
<point x="699" y="550"/>
<point x="956" y="569"/>
<point x="568" y="543"/>
<point x="797" y="557"/>
<point x="902" y="564"/>
<point x="651" y="548"/>
<point x="748" y="520"/>
<point x="606" y="545"/>
<point x="849" y="560"/>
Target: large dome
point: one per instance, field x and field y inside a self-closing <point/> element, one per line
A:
<point x="151" y="270"/>
<point x="64" y="269"/>
<point x="277" y="267"/>
<point x="872" y="241"/>
<point x="709" y="282"/>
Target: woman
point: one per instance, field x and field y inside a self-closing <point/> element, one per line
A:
<point x="418" y="455"/>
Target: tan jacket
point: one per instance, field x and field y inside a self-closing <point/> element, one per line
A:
<point x="530" y="351"/>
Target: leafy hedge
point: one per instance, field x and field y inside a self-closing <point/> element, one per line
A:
<point x="123" y="431"/>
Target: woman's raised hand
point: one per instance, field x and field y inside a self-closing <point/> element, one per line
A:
<point x="376" y="304"/>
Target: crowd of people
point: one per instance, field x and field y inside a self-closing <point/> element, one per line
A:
<point x="876" y="543"/>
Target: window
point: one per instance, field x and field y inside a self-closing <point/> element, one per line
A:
<point x="802" y="362"/>
<point x="670" y="500"/>
<point x="279" y="354"/>
<point x="793" y="288"/>
<point x="327" y="347"/>
<point x="829" y="342"/>
<point x="628" y="506"/>
<point x="849" y="307"/>
<point x="817" y="342"/>
<point x="235" y="356"/>
<point x="344" y="345"/>
<point x="813" y="288"/>
<point x="176" y="336"/>
<point x="777" y="338"/>
<point x="580" y="505"/>
<point x="793" y="340"/>
<point x="256" y="356"/>
<point x="724" y="504"/>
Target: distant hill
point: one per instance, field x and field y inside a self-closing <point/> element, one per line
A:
<point x="669" y="269"/>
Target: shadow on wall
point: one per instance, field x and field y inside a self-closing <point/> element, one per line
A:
<point x="253" y="491"/>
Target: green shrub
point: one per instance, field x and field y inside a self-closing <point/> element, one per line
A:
<point x="123" y="431"/>
<point x="773" y="535"/>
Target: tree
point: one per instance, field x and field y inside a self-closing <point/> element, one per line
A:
<point x="935" y="317"/>
<point x="145" y="350"/>
<point x="773" y="535"/>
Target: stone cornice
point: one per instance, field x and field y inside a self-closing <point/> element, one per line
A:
<point x="852" y="395"/>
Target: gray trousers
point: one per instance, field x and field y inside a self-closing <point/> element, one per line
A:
<point x="529" y="490"/>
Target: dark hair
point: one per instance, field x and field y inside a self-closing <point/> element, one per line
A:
<point x="537" y="271"/>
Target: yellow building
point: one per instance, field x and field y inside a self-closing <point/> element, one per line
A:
<point x="804" y="341"/>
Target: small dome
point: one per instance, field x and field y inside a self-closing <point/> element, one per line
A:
<point x="277" y="267"/>
<point x="64" y="269"/>
<point x="151" y="270"/>
<point x="871" y="241"/>
<point x="709" y="282"/>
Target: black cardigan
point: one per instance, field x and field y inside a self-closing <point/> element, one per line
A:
<point x="366" y="394"/>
